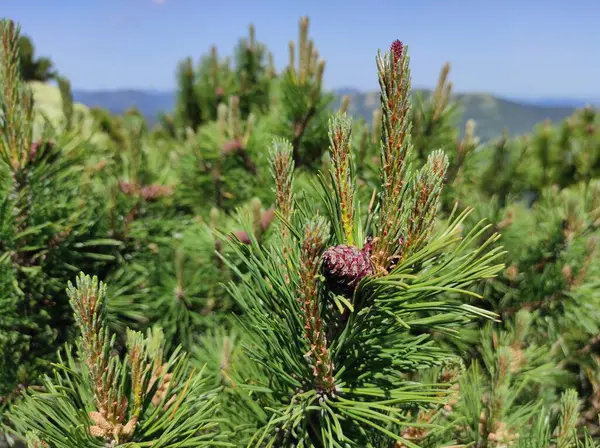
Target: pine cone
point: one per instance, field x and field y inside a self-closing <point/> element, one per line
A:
<point x="345" y="266"/>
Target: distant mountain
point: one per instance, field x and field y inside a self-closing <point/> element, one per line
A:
<point x="559" y="102"/>
<point x="492" y="114"/>
<point x="150" y="103"/>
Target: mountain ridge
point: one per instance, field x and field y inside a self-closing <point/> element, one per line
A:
<point x="492" y="113"/>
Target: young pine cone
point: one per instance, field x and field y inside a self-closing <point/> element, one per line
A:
<point x="345" y="266"/>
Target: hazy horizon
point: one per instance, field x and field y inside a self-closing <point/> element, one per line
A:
<point x="172" y="90"/>
<point x="513" y="50"/>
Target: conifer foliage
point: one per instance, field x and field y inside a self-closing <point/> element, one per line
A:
<point x="339" y="362"/>
<point x="146" y="398"/>
<point x="303" y="103"/>
<point x="50" y="225"/>
<point x="33" y="68"/>
<point x="264" y="273"/>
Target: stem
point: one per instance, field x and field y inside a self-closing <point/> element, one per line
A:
<point x="301" y="129"/>
<point x="218" y="183"/>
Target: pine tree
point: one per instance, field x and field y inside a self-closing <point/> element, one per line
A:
<point x="360" y="306"/>
<point x="252" y="73"/>
<point x="500" y="177"/>
<point x="339" y="323"/>
<point x="303" y="106"/>
<point x="227" y="165"/>
<point x="215" y="83"/>
<point x="189" y="107"/>
<point x="551" y="246"/>
<point x="554" y="274"/>
<point x="501" y="392"/>
<point x="173" y="282"/>
<point x="435" y="119"/>
<point x="30" y="67"/>
<point x="51" y="223"/>
<point x="96" y="399"/>
<point x="526" y="165"/>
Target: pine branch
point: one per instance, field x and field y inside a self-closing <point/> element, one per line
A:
<point x="342" y="172"/>
<point x="102" y="400"/>
<point x="66" y="95"/>
<point x="282" y="171"/>
<point x="16" y="119"/>
<point x="88" y="302"/>
<point x="315" y="237"/>
<point x="217" y="173"/>
<point x="466" y="146"/>
<point x="435" y="118"/>
<point x="16" y="102"/>
<point x="394" y="79"/>
<point x="307" y="78"/>
<point x="426" y="193"/>
<point x="189" y="107"/>
<point x="344" y="104"/>
<point x="363" y="335"/>
<point x="299" y="130"/>
<point x="569" y="414"/>
<point x="442" y="92"/>
<point x="235" y="139"/>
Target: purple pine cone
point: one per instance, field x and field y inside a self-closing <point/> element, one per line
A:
<point x="345" y="266"/>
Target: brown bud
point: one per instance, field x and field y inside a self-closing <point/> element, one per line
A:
<point x="266" y="219"/>
<point x="96" y="431"/>
<point x="242" y="236"/>
<point x="100" y="421"/>
<point x="511" y="272"/>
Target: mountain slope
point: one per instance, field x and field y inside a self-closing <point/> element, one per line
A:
<point x="492" y="114"/>
<point x="559" y="102"/>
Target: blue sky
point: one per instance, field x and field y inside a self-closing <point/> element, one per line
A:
<point x="524" y="48"/>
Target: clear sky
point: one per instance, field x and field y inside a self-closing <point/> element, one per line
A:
<point x="507" y="47"/>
